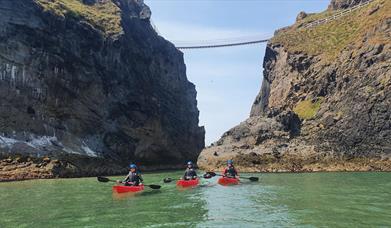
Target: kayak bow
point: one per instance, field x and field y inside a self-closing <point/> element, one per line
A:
<point x="187" y="183"/>
<point x="228" y="181"/>
<point x="124" y="189"/>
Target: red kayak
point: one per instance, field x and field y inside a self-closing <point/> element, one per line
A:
<point x="187" y="183"/>
<point x="228" y="181"/>
<point x="123" y="189"/>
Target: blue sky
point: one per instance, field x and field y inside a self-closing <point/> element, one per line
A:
<point x="227" y="79"/>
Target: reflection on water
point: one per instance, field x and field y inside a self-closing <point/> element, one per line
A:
<point x="243" y="205"/>
<point x="126" y="195"/>
<point x="277" y="200"/>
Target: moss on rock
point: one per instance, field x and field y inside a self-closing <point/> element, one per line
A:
<point x="307" y="109"/>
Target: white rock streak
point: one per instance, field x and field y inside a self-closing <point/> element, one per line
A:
<point x="43" y="141"/>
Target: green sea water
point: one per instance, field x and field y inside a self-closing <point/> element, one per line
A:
<point x="277" y="200"/>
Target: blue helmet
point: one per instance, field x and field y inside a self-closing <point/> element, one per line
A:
<point x="230" y="162"/>
<point x="189" y="163"/>
<point x="133" y="166"/>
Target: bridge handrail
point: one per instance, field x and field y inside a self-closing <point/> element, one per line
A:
<point x="337" y="15"/>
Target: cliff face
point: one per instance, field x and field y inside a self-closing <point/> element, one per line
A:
<point x="325" y="99"/>
<point x="87" y="87"/>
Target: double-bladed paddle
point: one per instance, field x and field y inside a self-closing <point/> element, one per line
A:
<point x="105" y="179"/>
<point x="212" y="174"/>
<point x="168" y="179"/>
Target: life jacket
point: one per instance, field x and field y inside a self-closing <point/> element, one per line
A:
<point x="190" y="172"/>
<point x="231" y="171"/>
<point x="134" y="177"/>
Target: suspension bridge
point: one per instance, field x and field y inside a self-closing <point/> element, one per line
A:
<point x="226" y="44"/>
<point x="220" y="43"/>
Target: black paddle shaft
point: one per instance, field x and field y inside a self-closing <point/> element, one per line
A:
<point x="168" y="179"/>
<point x="248" y="178"/>
<point x="105" y="179"/>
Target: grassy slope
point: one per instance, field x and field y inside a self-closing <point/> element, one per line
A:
<point x="331" y="38"/>
<point x="104" y="16"/>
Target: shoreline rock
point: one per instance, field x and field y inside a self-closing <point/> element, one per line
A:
<point x="292" y="163"/>
<point x="18" y="168"/>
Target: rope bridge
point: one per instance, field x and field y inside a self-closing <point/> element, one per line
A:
<point x="231" y="44"/>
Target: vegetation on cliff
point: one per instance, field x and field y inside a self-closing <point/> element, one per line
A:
<point x="103" y="15"/>
<point x="307" y="109"/>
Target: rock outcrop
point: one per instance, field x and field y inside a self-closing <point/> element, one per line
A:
<point x="91" y="86"/>
<point x="301" y="16"/>
<point x="324" y="103"/>
<point x="344" y="4"/>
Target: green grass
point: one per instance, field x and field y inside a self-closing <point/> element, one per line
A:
<point x="105" y="16"/>
<point x="307" y="109"/>
<point x="331" y="38"/>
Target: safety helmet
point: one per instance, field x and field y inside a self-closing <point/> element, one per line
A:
<point x="230" y="162"/>
<point x="189" y="163"/>
<point x="132" y="166"/>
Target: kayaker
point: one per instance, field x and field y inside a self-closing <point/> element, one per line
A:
<point x="133" y="178"/>
<point x="190" y="173"/>
<point x="230" y="170"/>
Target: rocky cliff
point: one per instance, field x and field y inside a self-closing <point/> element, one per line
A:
<point x="87" y="86"/>
<point x="344" y="4"/>
<point x="325" y="101"/>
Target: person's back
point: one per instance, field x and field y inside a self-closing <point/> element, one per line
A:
<point x="230" y="170"/>
<point x="133" y="178"/>
<point x="190" y="172"/>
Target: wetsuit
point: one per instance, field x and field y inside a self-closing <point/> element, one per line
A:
<point x="135" y="178"/>
<point x="230" y="172"/>
<point x="190" y="173"/>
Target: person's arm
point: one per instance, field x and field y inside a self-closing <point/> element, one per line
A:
<point x="225" y="172"/>
<point x="125" y="180"/>
<point x="193" y="174"/>
<point x="185" y="174"/>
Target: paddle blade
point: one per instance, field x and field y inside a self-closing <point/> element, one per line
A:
<point x="154" y="186"/>
<point x="167" y="180"/>
<point x="207" y="176"/>
<point x="103" y="179"/>
<point x="212" y="174"/>
<point x="253" y="178"/>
